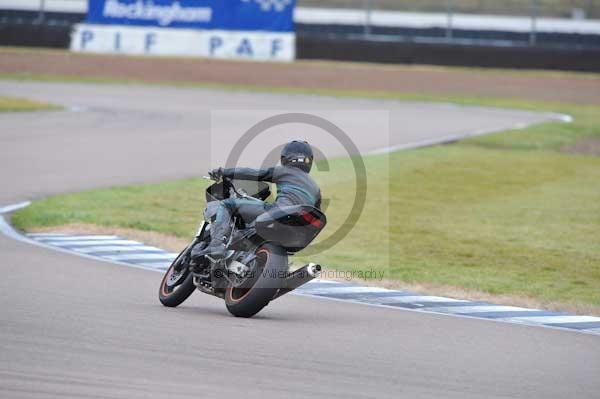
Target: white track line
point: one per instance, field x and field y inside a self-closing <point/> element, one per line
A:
<point x="344" y="290"/>
<point x="117" y="248"/>
<point x="318" y="280"/>
<point x="156" y="265"/>
<point x="165" y="256"/>
<point x="456" y="137"/>
<point x="14" y="207"/>
<point x="75" y="238"/>
<point x="415" y="299"/>
<point x="91" y="243"/>
<point x="552" y="319"/>
<point x="45" y="235"/>
<point x="478" y="309"/>
<point x="9" y="231"/>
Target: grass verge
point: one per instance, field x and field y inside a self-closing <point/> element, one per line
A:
<point x="303" y="62"/>
<point x="505" y="215"/>
<point x="16" y="104"/>
<point x="294" y="90"/>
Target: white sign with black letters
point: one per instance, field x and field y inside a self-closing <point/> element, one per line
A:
<point x="138" y="40"/>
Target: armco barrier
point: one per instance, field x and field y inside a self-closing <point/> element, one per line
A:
<point x="311" y="46"/>
<point x="35" y="35"/>
<point x="481" y="35"/>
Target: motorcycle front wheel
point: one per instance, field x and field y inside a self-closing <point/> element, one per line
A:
<point x="177" y="284"/>
<point x="249" y="297"/>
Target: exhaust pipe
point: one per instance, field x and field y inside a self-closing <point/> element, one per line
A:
<point x="313" y="269"/>
<point x="298" y="278"/>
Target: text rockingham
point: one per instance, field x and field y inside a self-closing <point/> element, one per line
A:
<point x="164" y="14"/>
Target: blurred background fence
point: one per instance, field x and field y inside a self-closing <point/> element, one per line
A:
<point x="502" y="22"/>
<point x="456" y="32"/>
<point x="577" y="9"/>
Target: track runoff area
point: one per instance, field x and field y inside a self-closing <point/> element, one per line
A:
<point x="132" y="253"/>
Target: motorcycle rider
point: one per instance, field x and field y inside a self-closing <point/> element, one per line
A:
<point x="294" y="187"/>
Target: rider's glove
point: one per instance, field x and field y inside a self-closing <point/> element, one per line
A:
<point x="216" y="174"/>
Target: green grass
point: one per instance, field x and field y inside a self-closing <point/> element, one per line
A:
<point x="16" y="104"/>
<point x="499" y="221"/>
<point x="504" y="213"/>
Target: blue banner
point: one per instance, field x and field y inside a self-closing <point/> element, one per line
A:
<point x="236" y="15"/>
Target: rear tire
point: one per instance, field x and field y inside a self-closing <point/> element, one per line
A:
<point x="246" y="302"/>
<point x="172" y="296"/>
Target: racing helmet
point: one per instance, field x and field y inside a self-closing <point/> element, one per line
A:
<point x="297" y="153"/>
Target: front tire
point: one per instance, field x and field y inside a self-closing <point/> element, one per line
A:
<point x="272" y="264"/>
<point x="176" y="287"/>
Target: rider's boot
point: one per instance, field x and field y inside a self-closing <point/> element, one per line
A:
<point x="214" y="250"/>
<point x="220" y="231"/>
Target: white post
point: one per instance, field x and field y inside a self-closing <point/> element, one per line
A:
<point x="368" y="5"/>
<point x="41" y="11"/>
<point x="534" y="14"/>
<point x="449" y="18"/>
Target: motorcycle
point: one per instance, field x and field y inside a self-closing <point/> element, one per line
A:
<point x="255" y="269"/>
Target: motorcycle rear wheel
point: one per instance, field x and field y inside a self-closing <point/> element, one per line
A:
<point x="268" y="273"/>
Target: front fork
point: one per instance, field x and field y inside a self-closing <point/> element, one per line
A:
<point x="204" y="227"/>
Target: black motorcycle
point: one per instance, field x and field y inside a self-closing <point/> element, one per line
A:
<point x="254" y="270"/>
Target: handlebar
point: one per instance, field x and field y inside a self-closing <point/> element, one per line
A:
<point x="229" y="183"/>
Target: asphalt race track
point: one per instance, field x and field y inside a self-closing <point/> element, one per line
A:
<point x="74" y="327"/>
